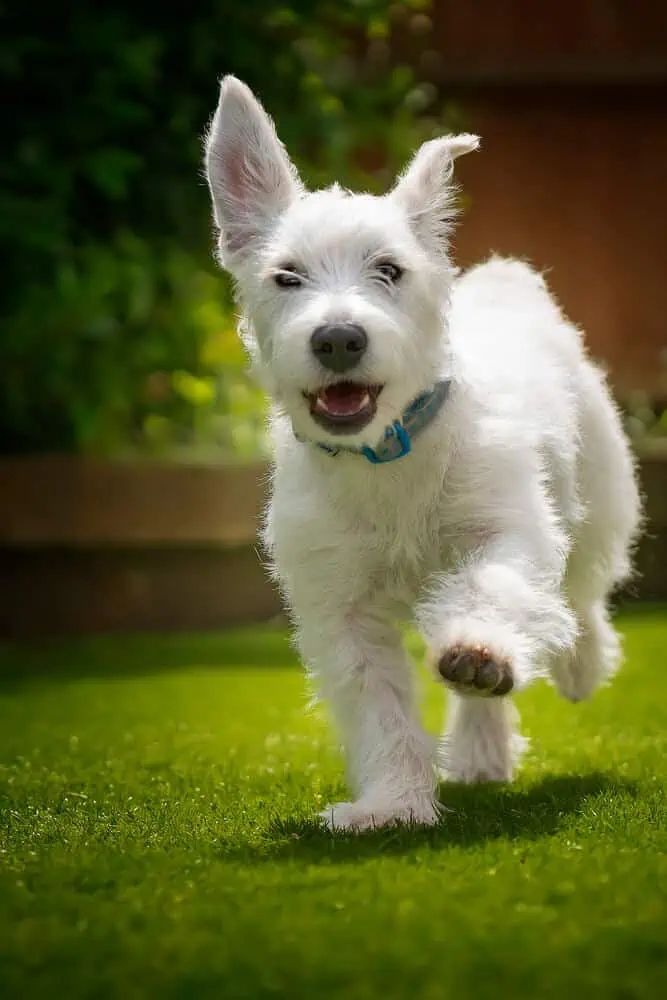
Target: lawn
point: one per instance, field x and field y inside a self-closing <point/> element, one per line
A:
<point x="158" y="838"/>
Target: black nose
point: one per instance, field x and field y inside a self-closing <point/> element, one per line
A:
<point x="339" y="346"/>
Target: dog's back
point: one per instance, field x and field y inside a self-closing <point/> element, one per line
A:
<point x="510" y="338"/>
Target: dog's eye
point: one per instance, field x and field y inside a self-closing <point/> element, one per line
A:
<point x="389" y="271"/>
<point x="287" y="277"/>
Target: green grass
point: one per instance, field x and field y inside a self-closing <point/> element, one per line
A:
<point x="158" y="838"/>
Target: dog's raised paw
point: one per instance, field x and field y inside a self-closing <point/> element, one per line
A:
<point x="475" y="670"/>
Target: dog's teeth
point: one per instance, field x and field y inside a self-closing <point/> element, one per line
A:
<point x="323" y="405"/>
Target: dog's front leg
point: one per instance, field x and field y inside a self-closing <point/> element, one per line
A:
<point x="491" y="626"/>
<point x="361" y="670"/>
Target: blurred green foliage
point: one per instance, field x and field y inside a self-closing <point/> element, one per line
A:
<point x="116" y="332"/>
<point x="645" y="415"/>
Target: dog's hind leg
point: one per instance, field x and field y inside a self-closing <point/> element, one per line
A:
<point x="595" y="657"/>
<point x="602" y="543"/>
<point x="481" y="741"/>
<point x="593" y="569"/>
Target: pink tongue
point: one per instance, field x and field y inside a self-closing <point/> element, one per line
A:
<point x="343" y="398"/>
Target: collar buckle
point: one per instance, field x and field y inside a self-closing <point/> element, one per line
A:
<point x="398" y="430"/>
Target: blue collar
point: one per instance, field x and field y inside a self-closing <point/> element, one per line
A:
<point x="398" y="437"/>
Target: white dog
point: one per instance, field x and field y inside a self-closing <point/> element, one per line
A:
<point x="443" y="450"/>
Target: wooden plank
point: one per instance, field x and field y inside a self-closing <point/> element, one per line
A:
<point x="69" y="592"/>
<point x="82" y="502"/>
<point x="654" y="486"/>
<point x="160" y="552"/>
<point x="613" y="39"/>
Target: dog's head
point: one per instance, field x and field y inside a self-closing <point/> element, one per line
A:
<point x="344" y="295"/>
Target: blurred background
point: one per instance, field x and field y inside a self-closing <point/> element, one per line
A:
<point x="132" y="444"/>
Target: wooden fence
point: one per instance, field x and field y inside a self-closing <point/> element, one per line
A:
<point x="93" y="547"/>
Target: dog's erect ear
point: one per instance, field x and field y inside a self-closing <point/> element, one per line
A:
<point x="426" y="191"/>
<point x="250" y="176"/>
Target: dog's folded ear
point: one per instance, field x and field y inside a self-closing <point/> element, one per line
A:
<point x="426" y="192"/>
<point x="250" y="176"/>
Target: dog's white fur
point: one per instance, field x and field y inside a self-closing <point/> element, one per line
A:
<point x="508" y="524"/>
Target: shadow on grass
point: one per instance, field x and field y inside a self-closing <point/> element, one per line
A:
<point x="472" y="814"/>
<point x="142" y="655"/>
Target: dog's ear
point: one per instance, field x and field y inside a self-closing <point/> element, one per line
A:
<point x="426" y="192"/>
<point x="250" y="176"/>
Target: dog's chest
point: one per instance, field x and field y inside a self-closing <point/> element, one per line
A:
<point x="398" y="526"/>
<point x="364" y="530"/>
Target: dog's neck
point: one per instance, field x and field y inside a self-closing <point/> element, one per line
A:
<point x="398" y="437"/>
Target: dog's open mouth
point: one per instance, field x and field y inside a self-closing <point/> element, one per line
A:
<point x="345" y="407"/>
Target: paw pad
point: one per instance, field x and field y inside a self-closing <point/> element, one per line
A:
<point x="475" y="670"/>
